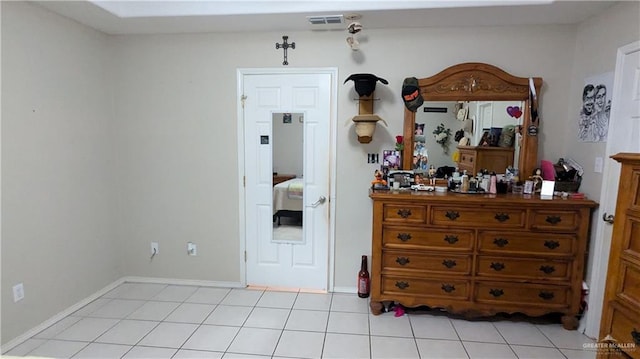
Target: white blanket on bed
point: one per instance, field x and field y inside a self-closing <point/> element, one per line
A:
<point x="287" y="195"/>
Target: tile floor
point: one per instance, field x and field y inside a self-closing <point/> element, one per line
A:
<point x="138" y="320"/>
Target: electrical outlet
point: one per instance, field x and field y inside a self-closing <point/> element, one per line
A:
<point x="155" y="249"/>
<point x="192" y="249"/>
<point x="18" y="292"/>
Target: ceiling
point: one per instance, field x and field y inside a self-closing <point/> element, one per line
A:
<point x="152" y="17"/>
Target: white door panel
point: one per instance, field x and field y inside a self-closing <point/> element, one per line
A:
<point x="301" y="264"/>
<point x="623" y="135"/>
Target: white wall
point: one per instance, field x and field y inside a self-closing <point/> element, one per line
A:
<point x="172" y="164"/>
<point x="595" y="53"/>
<point x="58" y="232"/>
<point x="176" y="113"/>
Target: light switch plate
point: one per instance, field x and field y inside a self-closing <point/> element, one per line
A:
<point x="597" y="167"/>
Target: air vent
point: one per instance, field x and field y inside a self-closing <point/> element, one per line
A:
<point x="325" y="20"/>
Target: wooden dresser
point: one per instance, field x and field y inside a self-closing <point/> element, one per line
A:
<point x="479" y="255"/>
<point x="621" y="308"/>
<point x="493" y="159"/>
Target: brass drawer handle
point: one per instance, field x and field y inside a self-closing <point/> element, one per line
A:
<point x="402" y="285"/>
<point x="500" y="242"/>
<point x="552" y="244"/>
<point x="402" y="260"/>
<point x="452" y="215"/>
<point x="404" y="213"/>
<point x="547" y="269"/>
<point x="497" y="266"/>
<point x="496" y="292"/>
<point x="449" y="263"/>
<point x="451" y="239"/>
<point x="554" y="219"/>
<point x="404" y="236"/>
<point x="448" y="288"/>
<point x="635" y="334"/>
<point x="546" y="295"/>
<point x="501" y="217"/>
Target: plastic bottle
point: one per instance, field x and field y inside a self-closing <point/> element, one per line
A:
<point x="363" y="279"/>
<point x="493" y="181"/>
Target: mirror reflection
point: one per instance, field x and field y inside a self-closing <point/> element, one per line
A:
<point x="440" y="127"/>
<point x="288" y="186"/>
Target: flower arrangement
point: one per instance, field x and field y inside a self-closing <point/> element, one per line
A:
<point x="442" y="135"/>
<point x="399" y="143"/>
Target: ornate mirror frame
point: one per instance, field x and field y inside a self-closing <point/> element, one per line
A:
<point x="475" y="81"/>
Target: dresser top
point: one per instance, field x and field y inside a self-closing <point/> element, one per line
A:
<point x="478" y="199"/>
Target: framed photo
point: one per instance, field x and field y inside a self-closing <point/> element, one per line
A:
<point x="286" y="118"/>
<point x="391" y="159"/>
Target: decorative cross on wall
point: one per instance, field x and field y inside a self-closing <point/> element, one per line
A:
<point x="285" y="45"/>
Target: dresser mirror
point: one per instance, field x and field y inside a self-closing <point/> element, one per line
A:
<point x="482" y="89"/>
<point x="477" y="117"/>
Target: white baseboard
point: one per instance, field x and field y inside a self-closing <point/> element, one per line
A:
<point x="193" y="282"/>
<point x="51" y="321"/>
<point x="170" y="281"/>
<point x="345" y="290"/>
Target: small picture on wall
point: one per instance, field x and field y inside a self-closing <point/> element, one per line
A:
<point x="286" y="118"/>
<point x="593" y="119"/>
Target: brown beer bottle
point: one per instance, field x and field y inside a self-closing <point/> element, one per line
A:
<point x="363" y="279"/>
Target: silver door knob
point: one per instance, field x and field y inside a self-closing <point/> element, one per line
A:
<point x="608" y="217"/>
<point x="320" y="201"/>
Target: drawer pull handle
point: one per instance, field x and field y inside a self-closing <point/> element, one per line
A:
<point x="402" y="285"/>
<point x="404" y="236"/>
<point x="451" y="239"/>
<point x="552" y="244"/>
<point x="402" y="260"/>
<point x="496" y="292"/>
<point x="546" y="295"/>
<point x="554" y="219"/>
<point x="404" y="213"/>
<point x="449" y="263"/>
<point x="500" y="242"/>
<point x="547" y="269"/>
<point x="448" y="288"/>
<point x="452" y="215"/>
<point x="497" y="266"/>
<point x="501" y="217"/>
<point x="635" y="334"/>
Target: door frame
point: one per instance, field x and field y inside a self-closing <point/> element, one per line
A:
<point x="333" y="125"/>
<point x="602" y="243"/>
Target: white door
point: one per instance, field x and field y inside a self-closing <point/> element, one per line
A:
<point x="301" y="262"/>
<point x="623" y="135"/>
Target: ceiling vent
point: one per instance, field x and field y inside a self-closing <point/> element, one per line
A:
<point x="325" y="20"/>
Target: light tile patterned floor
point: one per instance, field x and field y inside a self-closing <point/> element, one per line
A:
<point x="138" y="320"/>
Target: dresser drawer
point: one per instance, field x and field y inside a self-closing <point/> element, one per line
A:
<point x="529" y="268"/>
<point x="519" y="294"/>
<point x="555" y="220"/>
<point x="432" y="287"/>
<point x="438" y="239"/>
<point x="527" y="243"/>
<point x="625" y="328"/>
<point x="478" y="217"/>
<point x="401" y="213"/>
<point x="421" y="263"/>
<point x="629" y="284"/>
<point x="467" y="160"/>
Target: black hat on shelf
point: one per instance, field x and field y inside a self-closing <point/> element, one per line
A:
<point x="365" y="84"/>
<point x="411" y="94"/>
